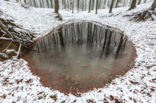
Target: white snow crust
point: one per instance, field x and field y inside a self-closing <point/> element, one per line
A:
<point x="18" y="84"/>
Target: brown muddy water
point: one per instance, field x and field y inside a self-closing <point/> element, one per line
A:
<point x="80" y="56"/>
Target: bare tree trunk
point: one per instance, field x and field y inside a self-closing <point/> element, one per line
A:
<point x="154" y="5"/>
<point x="104" y="4"/>
<point x="139" y="2"/>
<point x="47" y="3"/>
<point x="34" y="3"/>
<point x="56" y="6"/>
<point x="25" y="1"/>
<point x="30" y="2"/>
<point x="40" y="3"/>
<point x="72" y="6"/>
<point x="96" y="6"/>
<point x="57" y="9"/>
<point x="89" y="6"/>
<point x="133" y="5"/>
<point x="111" y="6"/>
<point x="78" y="5"/>
<point x="124" y="3"/>
<point x="93" y="1"/>
<point x="117" y="3"/>
<point x="51" y="3"/>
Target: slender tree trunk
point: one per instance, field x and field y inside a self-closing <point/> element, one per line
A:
<point x="30" y="2"/>
<point x="72" y="6"/>
<point x="47" y="3"/>
<point x="78" y="5"/>
<point x="34" y="3"/>
<point x="96" y="6"/>
<point x="105" y="4"/>
<point x="25" y="1"/>
<point x="111" y="6"/>
<point x="56" y="6"/>
<point x="154" y="5"/>
<point x="93" y="1"/>
<point x="133" y="5"/>
<point x="89" y="6"/>
<point x="124" y="3"/>
<point x="139" y="2"/>
<point x="51" y="3"/>
<point x="40" y="3"/>
<point x="57" y="9"/>
<point x="108" y="3"/>
<point x="64" y="2"/>
<point x="117" y="3"/>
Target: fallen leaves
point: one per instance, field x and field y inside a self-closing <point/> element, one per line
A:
<point x="3" y="96"/>
<point x="54" y="97"/>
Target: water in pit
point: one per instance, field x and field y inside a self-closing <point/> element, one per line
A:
<point x="80" y="56"/>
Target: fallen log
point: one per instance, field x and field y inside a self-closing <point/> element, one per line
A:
<point x="16" y="35"/>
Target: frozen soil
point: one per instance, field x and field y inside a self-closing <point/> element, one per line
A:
<point x="18" y="84"/>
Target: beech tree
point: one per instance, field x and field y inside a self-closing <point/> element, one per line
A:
<point x="78" y="5"/>
<point x="57" y="9"/>
<point x="124" y="3"/>
<point x="111" y="6"/>
<point x="96" y="6"/>
<point x="154" y="5"/>
<point x="139" y="2"/>
<point x="133" y="5"/>
<point x="72" y="6"/>
<point x="117" y="3"/>
<point x="56" y="6"/>
<point x="89" y="6"/>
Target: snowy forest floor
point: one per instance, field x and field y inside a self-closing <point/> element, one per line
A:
<point x="18" y="84"/>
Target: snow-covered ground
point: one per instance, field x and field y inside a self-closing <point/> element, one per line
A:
<point x="18" y="84"/>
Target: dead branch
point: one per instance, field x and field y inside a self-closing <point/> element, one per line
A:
<point x="10" y="32"/>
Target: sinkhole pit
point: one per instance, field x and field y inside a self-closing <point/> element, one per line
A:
<point x="80" y="56"/>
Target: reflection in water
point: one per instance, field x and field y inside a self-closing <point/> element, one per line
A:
<point x="79" y="5"/>
<point x="80" y="56"/>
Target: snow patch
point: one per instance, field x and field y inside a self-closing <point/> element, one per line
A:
<point x="18" y="84"/>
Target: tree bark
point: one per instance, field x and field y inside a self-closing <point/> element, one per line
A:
<point x="72" y="6"/>
<point x="78" y="5"/>
<point x="111" y="6"/>
<point x="96" y="6"/>
<point x="124" y="3"/>
<point x="139" y="2"/>
<point x="56" y="6"/>
<point x="133" y="5"/>
<point x="47" y="3"/>
<point x="57" y="9"/>
<point x="51" y="1"/>
<point x="117" y="3"/>
<point x="154" y="5"/>
<point x="89" y="6"/>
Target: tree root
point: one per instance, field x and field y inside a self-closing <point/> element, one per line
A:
<point x="59" y="17"/>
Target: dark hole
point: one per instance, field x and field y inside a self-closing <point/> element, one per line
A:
<point x="80" y="56"/>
